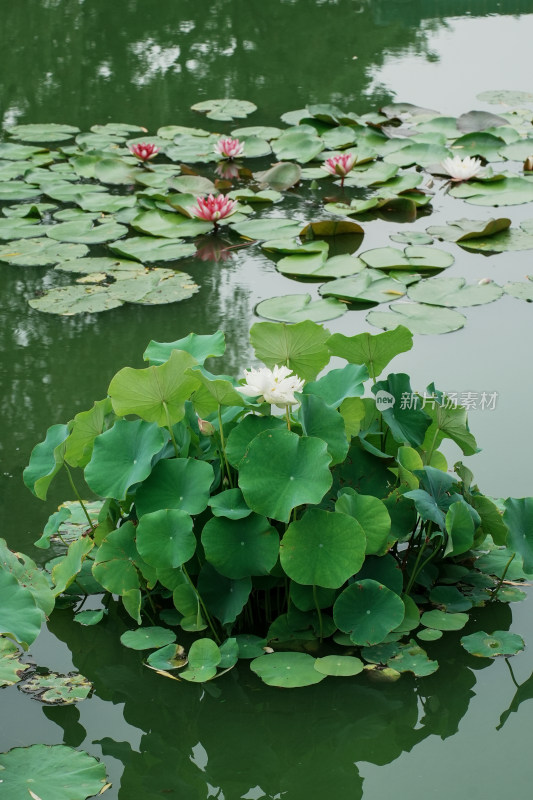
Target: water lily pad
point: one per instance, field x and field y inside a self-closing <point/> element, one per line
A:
<point x="83" y="231"/>
<point x="268" y="228"/>
<point x="504" y="192"/>
<point x="204" y="657"/>
<point x="58" y="690"/>
<point x="169" y="225"/>
<point x="323" y="549"/>
<point x="443" y="621"/>
<point x="479" y="144"/>
<point x="11" y="667"/>
<point x="520" y="289"/>
<point x="40" y="252"/>
<point x="317" y="266"/>
<point x="85" y="266"/>
<point x="148" y="249"/>
<point x="296" y="144"/>
<point x="19" y="228"/>
<point x="51" y="772"/>
<point x="412" y="237"/>
<point x="453" y="292"/>
<point x="490" y="645"/>
<point x="370" y="286"/>
<point x="289" y="670"/>
<point x="17" y="190"/>
<point x="280" y="176"/>
<point x="368" y="611"/>
<point x="70" y="300"/>
<point x="462" y="230"/>
<point x="154" y="287"/>
<point x="505" y="97"/>
<point x="339" y="666"/>
<point x="17" y="152"/>
<point x="148" y="638"/>
<point x="422" y="155"/>
<point x="418" y="258"/>
<point x="299" y="307"/>
<point x="418" y="318"/>
<point x="172" y="656"/>
<point x="479" y="121"/>
<point x="225" y="110"/>
<point x="512" y="239"/>
<point x="412" y="658"/>
<point x="88" y="618"/>
<point x="103" y="202"/>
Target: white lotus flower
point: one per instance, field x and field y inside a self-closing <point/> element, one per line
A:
<point x="461" y="169"/>
<point x="276" y="386"/>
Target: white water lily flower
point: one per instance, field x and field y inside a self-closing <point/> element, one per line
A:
<point x="276" y="386"/>
<point x="461" y="169"/>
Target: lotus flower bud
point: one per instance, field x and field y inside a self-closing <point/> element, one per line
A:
<point x="528" y="164"/>
<point x="484" y="281"/>
<point x="205" y="427"/>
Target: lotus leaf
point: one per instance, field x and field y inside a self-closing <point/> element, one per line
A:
<point x="11" y="667"/>
<point x="224" y="597"/>
<point x="225" y="110"/>
<point x="369" y="286"/>
<point x="40" y="252"/>
<point x="242" y="547"/>
<point x="418" y="317"/>
<point x="454" y="292"/>
<point x="58" y="690"/>
<point x="288" y="670"/>
<point x="299" y="307"/>
<point x="179" y="483"/>
<point x="490" y="645"/>
<point x="148" y="638"/>
<point x="51" y="772"/>
<point x="368" y="611"/>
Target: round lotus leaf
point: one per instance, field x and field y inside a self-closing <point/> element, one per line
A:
<point x="122" y="456"/>
<point x="513" y="239"/>
<point x="442" y="621"/>
<point x="84" y="266"/>
<point x="316" y="267"/>
<point x="246" y="430"/>
<point x="242" y="547"/>
<point x="148" y="249"/>
<point x="419" y="258"/>
<point x="105" y="203"/>
<point x="454" y="292"/>
<point x="11" y="668"/>
<point x="412" y="658"/>
<point x="89" y="617"/>
<point x="520" y="290"/>
<point x="59" y="690"/>
<point x="517" y="151"/>
<point x="17" y="190"/>
<point x="506" y="97"/>
<point x="147" y="638"/>
<point x="368" y="611"/>
<point x="380" y="653"/>
<point x="169" y="225"/>
<point x="505" y="192"/>
<point x="20" y="228"/>
<point x="339" y="666"/>
<point x="489" y="645"/>
<point x="429" y="635"/>
<point x="18" y="152"/>
<point x="82" y="231"/>
<point x="50" y="132"/>
<point x="165" y="538"/>
<point x="269" y="228"/>
<point x="371" y="514"/>
<point x="177" y="483"/>
<point x="323" y="549"/>
<point x="250" y="646"/>
<point x="464" y="230"/>
<point x="418" y="318"/>
<point x="225" y="598"/>
<point x="70" y="300"/>
<point x="39" y="252"/>
<point x="229" y="503"/>
<point x="51" y="772"/>
<point x="299" y="307"/>
<point x="370" y="286"/>
<point x="423" y="155"/>
<point x="451" y="598"/>
<point x="166" y="658"/>
<point x="153" y="287"/>
<point x="297" y="145"/>
<point x="204" y="657"/>
<point x="282" y="470"/>
<point x="289" y="670"/>
<point x="114" y="565"/>
<point x="225" y="110"/>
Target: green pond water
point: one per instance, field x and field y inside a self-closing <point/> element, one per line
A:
<point x="464" y="729"/>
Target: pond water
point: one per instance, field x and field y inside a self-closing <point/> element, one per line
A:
<point x="88" y="61"/>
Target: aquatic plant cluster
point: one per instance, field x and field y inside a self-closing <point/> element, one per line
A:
<point x="283" y="517"/>
<point x="118" y="210"/>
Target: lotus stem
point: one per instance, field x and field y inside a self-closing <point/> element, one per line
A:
<point x="80" y="501"/>
<point x="169" y="426"/>
<point x="223" y="447"/>
<point x="495" y="591"/>
<point x="202" y="604"/>
<point x="319" y="612"/>
<point x="288" y="417"/>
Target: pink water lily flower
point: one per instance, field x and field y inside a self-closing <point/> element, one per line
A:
<point x="340" y="165"/>
<point x="229" y="148"/>
<point x="144" y="151"/>
<point x="213" y="209"/>
<point x="461" y="169"/>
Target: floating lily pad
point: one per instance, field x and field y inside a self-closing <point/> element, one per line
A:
<point x="505" y="192"/>
<point x="169" y="225"/>
<point x="418" y="318"/>
<point x="512" y="239"/>
<point x="370" y="286"/>
<point x="88" y="618"/>
<point x="368" y="611"/>
<point x="17" y="190"/>
<point x="490" y="645"/>
<point x="418" y="258"/>
<point x="269" y="228"/>
<point x="204" y="657"/>
<point x="70" y="300"/>
<point x="518" y="151"/>
<point x="462" y="230"/>
<point x="51" y="772"/>
<point x="339" y="666"/>
<point x="83" y="231"/>
<point x="297" y="144"/>
<point x="421" y="154"/>
<point x="429" y="635"/>
<point x="453" y="292"/>
<point x="289" y="670"/>
<point x="20" y="228"/>
<point x="412" y="658"/>
<point x="154" y="287"/>
<point x="172" y="656"/>
<point x="443" y="621"/>
<point x="299" y="307"/>
<point x="40" y="252"/>
<point x="86" y="266"/>
<point x="505" y="97"/>
<point x="479" y="121"/>
<point x="412" y="237"/>
<point x="11" y="667"/>
<point x="520" y="290"/>
<point x="58" y="690"/>
<point x="225" y="110"/>
<point x="148" y="638"/>
<point x="148" y="249"/>
<point x="317" y="266"/>
<point x="279" y="176"/>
